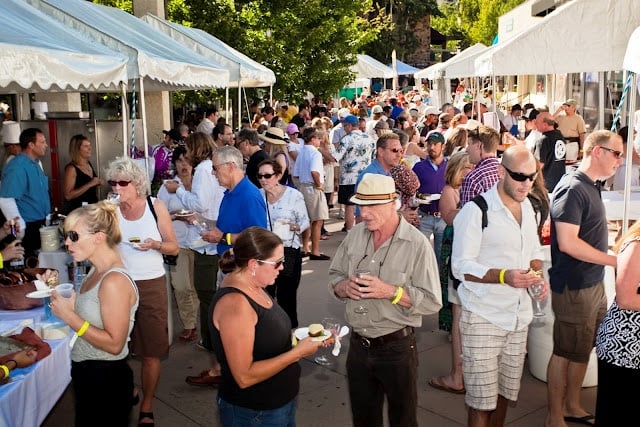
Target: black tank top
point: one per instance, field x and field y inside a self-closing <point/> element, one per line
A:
<point x="89" y="196"/>
<point x="272" y="338"/>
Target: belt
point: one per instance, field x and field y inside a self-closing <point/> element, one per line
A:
<point x="434" y="214"/>
<point x="380" y="341"/>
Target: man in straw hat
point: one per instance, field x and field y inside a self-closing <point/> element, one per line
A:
<point x="386" y="273"/>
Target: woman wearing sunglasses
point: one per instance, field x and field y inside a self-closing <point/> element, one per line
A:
<point x="147" y="234"/>
<point x="252" y="336"/>
<point x="102" y="314"/>
<point x="287" y="217"/>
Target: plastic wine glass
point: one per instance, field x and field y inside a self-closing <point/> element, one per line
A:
<point x="361" y="309"/>
<point x="331" y="325"/>
<point x="413" y="203"/>
<point x="535" y="291"/>
<point x="113" y="197"/>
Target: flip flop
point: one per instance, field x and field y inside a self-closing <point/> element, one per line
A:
<point x="581" y="420"/>
<point x="433" y="382"/>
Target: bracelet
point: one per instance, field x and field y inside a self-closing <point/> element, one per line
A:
<point x="397" y="296"/>
<point x="1" y="261"/>
<point x="228" y="239"/>
<point x="160" y="248"/>
<point x="5" y="369"/>
<point x="83" y="328"/>
<point x="501" y="276"/>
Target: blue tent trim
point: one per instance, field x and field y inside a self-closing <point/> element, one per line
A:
<point x="495" y="40"/>
<point x="405" y="69"/>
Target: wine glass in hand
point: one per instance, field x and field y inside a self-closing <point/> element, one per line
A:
<point x="535" y="291"/>
<point x="413" y="203"/>
<point x="361" y="309"/>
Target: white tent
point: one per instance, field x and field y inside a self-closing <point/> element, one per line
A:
<point x="463" y="64"/>
<point x="243" y="71"/>
<point x="370" y="68"/>
<point x="579" y="36"/>
<point x="37" y="54"/>
<point x="438" y="70"/>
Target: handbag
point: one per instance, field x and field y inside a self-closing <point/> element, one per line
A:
<point x="14" y="287"/>
<point x="291" y="257"/>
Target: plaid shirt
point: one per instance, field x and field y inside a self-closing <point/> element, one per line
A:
<point x="480" y="179"/>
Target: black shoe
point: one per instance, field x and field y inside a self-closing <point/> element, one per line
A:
<point x="321" y="257"/>
<point x="305" y="254"/>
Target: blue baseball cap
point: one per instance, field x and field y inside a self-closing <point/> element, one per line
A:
<point x="350" y="120"/>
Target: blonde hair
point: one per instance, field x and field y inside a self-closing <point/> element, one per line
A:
<point x="598" y="137"/>
<point x="100" y="216"/>
<point x="632" y="233"/>
<point x="200" y="147"/>
<point x="455" y="165"/>
<point x="126" y="168"/>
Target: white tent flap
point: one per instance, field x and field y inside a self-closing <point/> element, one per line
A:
<point x="370" y="68"/>
<point x="632" y="55"/>
<point x="439" y="69"/>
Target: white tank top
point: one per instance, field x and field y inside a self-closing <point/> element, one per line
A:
<point x="141" y="265"/>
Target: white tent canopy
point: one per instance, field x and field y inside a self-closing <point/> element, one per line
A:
<point x="463" y="64"/>
<point x="579" y="36"/>
<point x="438" y="70"/>
<point x="631" y="60"/>
<point x="153" y="56"/>
<point x="370" y="68"/>
<point x="39" y="54"/>
<point x="243" y="71"/>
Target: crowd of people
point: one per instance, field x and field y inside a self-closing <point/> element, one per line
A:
<point x="442" y="215"/>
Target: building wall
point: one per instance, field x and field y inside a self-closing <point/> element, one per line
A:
<point x="420" y="56"/>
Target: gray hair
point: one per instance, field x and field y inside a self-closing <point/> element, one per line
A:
<point x="129" y="169"/>
<point x="229" y="154"/>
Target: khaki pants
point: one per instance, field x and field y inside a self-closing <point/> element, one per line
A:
<point x="183" y="289"/>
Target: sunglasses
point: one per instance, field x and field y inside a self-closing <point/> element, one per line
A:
<point x="265" y="175"/>
<point x="616" y="153"/>
<point x="519" y="176"/>
<point x="395" y="150"/>
<point x="120" y="183"/>
<point x="276" y="264"/>
<point x="73" y="235"/>
<point x="216" y="167"/>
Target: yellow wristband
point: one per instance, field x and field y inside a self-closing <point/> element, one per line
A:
<point x="83" y="328"/>
<point x="5" y="369"/>
<point x="1" y="261"/>
<point x="228" y="238"/>
<point x="501" y="276"/>
<point x="398" y="295"/>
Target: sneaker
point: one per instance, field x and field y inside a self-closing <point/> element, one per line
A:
<point x="204" y="379"/>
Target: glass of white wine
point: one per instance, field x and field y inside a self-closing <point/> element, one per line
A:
<point x="535" y="291"/>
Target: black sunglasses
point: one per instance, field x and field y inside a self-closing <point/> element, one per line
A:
<point x="616" y="153"/>
<point x="275" y="264"/>
<point x="120" y="183"/>
<point x="519" y="176"/>
<point x="395" y="150"/>
<point x="265" y="175"/>
<point x="73" y="235"/>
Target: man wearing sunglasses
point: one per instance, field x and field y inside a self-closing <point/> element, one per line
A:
<point x="552" y="150"/>
<point x="579" y="245"/>
<point x="493" y="264"/>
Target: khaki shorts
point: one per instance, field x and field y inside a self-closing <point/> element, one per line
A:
<point x="577" y="316"/>
<point x="150" y="335"/>
<point x="315" y="201"/>
<point x="492" y="361"/>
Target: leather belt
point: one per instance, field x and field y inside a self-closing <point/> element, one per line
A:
<point x="380" y="341"/>
<point x="434" y="214"/>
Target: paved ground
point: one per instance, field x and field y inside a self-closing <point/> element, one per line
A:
<point x="323" y="399"/>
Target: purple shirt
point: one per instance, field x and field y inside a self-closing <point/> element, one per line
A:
<point x="480" y="179"/>
<point x="431" y="178"/>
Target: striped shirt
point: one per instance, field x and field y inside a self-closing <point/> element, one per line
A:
<point x="480" y="179"/>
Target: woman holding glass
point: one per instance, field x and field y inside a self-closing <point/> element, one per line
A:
<point x="287" y="217"/>
<point x="182" y="272"/>
<point x="147" y="234"/>
<point x="252" y="337"/>
<point x="102" y="313"/>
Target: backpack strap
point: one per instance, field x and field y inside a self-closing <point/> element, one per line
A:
<point x="484" y="207"/>
<point x="153" y="211"/>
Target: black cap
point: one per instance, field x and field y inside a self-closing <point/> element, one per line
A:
<point x="173" y="134"/>
<point x="531" y="114"/>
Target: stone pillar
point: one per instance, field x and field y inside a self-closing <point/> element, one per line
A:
<point x="61" y="101"/>
<point x="157" y="104"/>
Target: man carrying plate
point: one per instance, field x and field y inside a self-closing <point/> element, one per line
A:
<point x="384" y="306"/>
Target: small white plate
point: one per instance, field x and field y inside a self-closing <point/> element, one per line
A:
<point x="184" y="212"/>
<point x="44" y="293"/>
<point x="134" y="244"/>
<point x="423" y="201"/>
<point x="198" y="243"/>
<point x="434" y="197"/>
<point x="302" y="333"/>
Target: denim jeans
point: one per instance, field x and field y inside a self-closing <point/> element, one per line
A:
<point x="237" y="416"/>
<point x="389" y="370"/>
<point x="433" y="225"/>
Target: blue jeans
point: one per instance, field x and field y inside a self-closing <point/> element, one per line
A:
<point x="237" y="416"/>
<point x="433" y="225"/>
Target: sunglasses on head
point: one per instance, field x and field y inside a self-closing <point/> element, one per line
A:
<point x="120" y="183"/>
<point x="275" y="264"/>
<point x="265" y="175"/>
<point x="616" y="153"/>
<point x="519" y="176"/>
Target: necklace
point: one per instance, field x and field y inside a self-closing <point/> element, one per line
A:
<point x="381" y="263"/>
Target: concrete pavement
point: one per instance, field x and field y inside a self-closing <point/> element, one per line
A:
<point x="323" y="399"/>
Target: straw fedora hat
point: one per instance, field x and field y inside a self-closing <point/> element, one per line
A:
<point x="375" y="189"/>
<point x="274" y="136"/>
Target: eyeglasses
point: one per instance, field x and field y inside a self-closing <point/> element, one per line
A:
<point x="74" y="236"/>
<point x="120" y="183"/>
<point x="395" y="150"/>
<point x="616" y="153"/>
<point x="216" y="167"/>
<point x="265" y="175"/>
<point x="519" y="176"/>
<point x="276" y="264"/>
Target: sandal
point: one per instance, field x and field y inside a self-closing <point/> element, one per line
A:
<point x="189" y="335"/>
<point x="146" y="415"/>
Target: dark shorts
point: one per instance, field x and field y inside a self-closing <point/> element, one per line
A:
<point x="150" y="335"/>
<point x="577" y="316"/>
<point x="344" y="194"/>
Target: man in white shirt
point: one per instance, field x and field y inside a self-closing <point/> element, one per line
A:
<point x="493" y="262"/>
<point x="209" y="121"/>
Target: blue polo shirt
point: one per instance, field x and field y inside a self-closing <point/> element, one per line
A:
<point x="240" y="209"/>
<point x="374" y="167"/>
<point x="24" y="180"/>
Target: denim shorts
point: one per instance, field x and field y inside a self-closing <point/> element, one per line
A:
<point x="238" y="416"/>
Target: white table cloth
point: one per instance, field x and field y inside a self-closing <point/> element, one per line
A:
<point x="614" y="204"/>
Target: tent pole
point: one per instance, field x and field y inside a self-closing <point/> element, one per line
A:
<point x="239" y="111"/>
<point x="270" y="95"/>
<point x="123" y="102"/>
<point x="143" y="114"/>
<point x="629" y="154"/>
<point x="601" y="96"/>
<point x="226" y="107"/>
